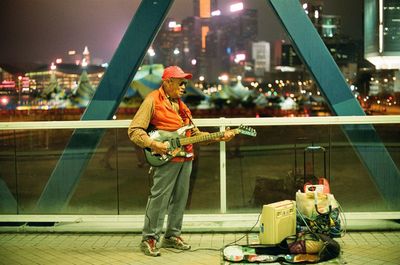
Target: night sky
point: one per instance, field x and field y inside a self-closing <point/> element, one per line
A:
<point x="41" y="30"/>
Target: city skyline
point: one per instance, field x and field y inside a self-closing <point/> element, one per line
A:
<point x="41" y="30"/>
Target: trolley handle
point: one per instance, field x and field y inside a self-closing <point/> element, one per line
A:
<point x="314" y="148"/>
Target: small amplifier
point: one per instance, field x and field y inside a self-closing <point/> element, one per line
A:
<point x="277" y="221"/>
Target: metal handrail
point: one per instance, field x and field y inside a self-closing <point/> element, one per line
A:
<point x="204" y="122"/>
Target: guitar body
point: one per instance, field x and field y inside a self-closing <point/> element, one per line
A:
<point x="177" y="139"/>
<point x="172" y="139"/>
<point x="156" y="160"/>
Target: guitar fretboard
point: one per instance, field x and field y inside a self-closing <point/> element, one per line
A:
<point x="202" y="138"/>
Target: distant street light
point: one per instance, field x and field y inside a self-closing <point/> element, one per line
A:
<point x="223" y="78"/>
<point x="19" y="89"/>
<point x="216" y="13"/>
<point x="236" y="7"/>
<point x="151" y="54"/>
<point x="84" y="63"/>
<point x="4" y="100"/>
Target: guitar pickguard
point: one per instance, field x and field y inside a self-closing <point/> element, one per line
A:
<point x="162" y="136"/>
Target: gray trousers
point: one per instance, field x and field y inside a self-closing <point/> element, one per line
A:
<point x="168" y="195"/>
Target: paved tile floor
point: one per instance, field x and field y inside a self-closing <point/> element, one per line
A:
<point x="111" y="248"/>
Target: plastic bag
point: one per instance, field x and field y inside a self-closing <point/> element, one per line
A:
<point x="319" y="212"/>
<point x="311" y="204"/>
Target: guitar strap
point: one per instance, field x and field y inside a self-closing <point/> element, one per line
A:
<point x="183" y="113"/>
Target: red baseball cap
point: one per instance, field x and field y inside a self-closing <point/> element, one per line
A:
<point x="175" y="72"/>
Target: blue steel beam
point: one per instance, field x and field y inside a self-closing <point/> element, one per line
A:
<point x="364" y="139"/>
<point x="8" y="204"/>
<point x="123" y="67"/>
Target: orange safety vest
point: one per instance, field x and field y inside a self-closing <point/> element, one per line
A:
<point x="165" y="118"/>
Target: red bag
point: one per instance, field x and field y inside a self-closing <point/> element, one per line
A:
<point x="322" y="186"/>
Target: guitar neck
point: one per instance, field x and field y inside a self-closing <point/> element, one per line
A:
<point x="202" y="138"/>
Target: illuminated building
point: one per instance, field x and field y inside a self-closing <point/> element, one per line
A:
<point x="6" y="73"/>
<point x="67" y="75"/>
<point x="262" y="57"/>
<point x="382" y="44"/>
<point x="203" y="9"/>
<point x="328" y="26"/>
<point x="230" y="40"/>
<point x="382" y="33"/>
<point x="245" y="28"/>
<point x="192" y="44"/>
<point x="219" y="49"/>
<point x="86" y="57"/>
<point x="202" y="13"/>
<point x="289" y="57"/>
<point x="346" y="51"/>
<point x="168" y="46"/>
<point x="9" y="79"/>
<point x="313" y="9"/>
<point x="186" y="45"/>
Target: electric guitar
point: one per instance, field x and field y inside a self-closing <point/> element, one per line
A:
<point x="177" y="139"/>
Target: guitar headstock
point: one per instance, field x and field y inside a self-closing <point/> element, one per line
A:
<point x="246" y="131"/>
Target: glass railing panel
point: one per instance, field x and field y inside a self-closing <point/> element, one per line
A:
<point x="269" y="168"/>
<point x="352" y="184"/>
<point x="204" y="192"/>
<point x="8" y="177"/>
<point x="390" y="135"/>
<point x="133" y="176"/>
<point x="260" y="170"/>
<point x="37" y="152"/>
<point x="97" y="190"/>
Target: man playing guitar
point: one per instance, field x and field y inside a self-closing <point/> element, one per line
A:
<point x="164" y="110"/>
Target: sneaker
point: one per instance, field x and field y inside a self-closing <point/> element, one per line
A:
<point x="175" y="242"/>
<point x="149" y="247"/>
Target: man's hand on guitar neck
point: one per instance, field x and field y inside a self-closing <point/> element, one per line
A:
<point x="228" y="135"/>
<point x="159" y="147"/>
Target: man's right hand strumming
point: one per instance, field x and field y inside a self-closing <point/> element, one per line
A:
<point x="159" y="147"/>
